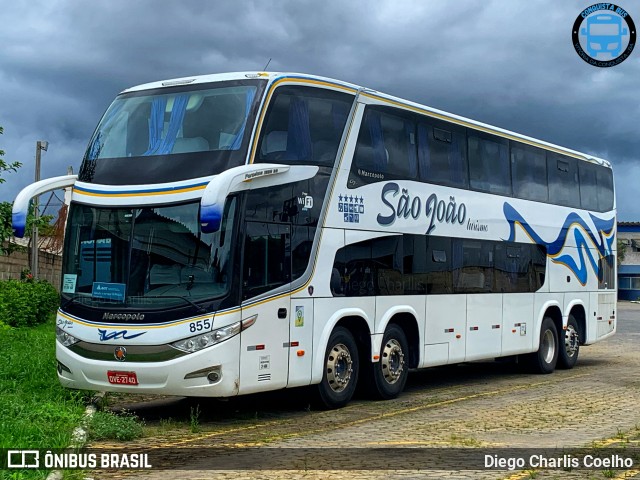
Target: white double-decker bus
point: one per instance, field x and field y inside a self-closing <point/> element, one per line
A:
<point x="237" y="233"/>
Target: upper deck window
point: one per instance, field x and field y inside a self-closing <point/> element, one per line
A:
<point x="489" y="163"/>
<point x="172" y="134"/>
<point x="386" y="146"/>
<point x="304" y="125"/>
<point x="564" y="182"/>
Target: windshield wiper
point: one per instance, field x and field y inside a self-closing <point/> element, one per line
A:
<point x="193" y="304"/>
<point x="74" y="298"/>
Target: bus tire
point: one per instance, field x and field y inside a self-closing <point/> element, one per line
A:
<point x="569" y="345"/>
<point x="389" y="374"/>
<point x="340" y="375"/>
<point x="545" y="359"/>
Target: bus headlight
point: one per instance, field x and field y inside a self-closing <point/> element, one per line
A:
<point x="205" y="340"/>
<point x="64" y="338"/>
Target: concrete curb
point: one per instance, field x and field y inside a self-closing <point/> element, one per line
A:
<point x="79" y="435"/>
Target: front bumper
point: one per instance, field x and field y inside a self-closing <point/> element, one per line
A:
<point x="163" y="378"/>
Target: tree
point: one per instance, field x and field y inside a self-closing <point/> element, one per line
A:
<point x="6" y="231"/>
<point x="6" y="228"/>
<point x="4" y="166"/>
<point x="621" y="251"/>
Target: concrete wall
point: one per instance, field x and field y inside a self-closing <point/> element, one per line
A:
<point x="631" y="257"/>
<point x="49" y="266"/>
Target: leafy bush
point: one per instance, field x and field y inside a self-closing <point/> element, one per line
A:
<point x="25" y="304"/>
<point x="109" y="426"/>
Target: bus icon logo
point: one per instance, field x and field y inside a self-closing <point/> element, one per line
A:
<point x="604" y="35"/>
<point x="23" y="459"/>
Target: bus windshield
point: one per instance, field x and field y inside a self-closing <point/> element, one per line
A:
<point x="192" y="121"/>
<point x="173" y="133"/>
<point x="146" y="257"/>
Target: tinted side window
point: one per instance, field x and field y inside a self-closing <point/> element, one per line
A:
<point x="267" y="257"/>
<point x="518" y="267"/>
<point x="386" y="146"/>
<point x="588" y="185"/>
<point x="439" y="265"/>
<point x="442" y="154"/>
<point x="399" y="266"/>
<point x="356" y="274"/>
<point x="304" y="125"/>
<point x="529" y="172"/>
<point x="489" y="164"/>
<point x="414" y="264"/>
<point x="563" y="180"/>
<point x="474" y="266"/>
<point x="606" y="272"/>
<point x="301" y="244"/>
<point x="386" y="256"/>
<point x="605" y="189"/>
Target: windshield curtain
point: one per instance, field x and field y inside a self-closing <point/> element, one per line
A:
<point x="145" y="257"/>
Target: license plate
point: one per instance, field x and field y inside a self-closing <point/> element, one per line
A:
<point x="122" y="378"/>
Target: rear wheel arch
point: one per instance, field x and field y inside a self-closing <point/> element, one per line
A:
<point x="571" y="338"/>
<point x="578" y="312"/>
<point x="409" y="325"/>
<point x="555" y="314"/>
<point x="359" y="328"/>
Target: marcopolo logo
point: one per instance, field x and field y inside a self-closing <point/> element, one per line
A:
<point x="604" y="35"/>
<point x="123" y="316"/>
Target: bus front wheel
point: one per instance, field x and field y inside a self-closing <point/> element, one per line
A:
<point x="341" y="367"/>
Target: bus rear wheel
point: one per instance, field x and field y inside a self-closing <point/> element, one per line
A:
<point x="341" y="365"/>
<point x="389" y="374"/>
<point x="569" y="345"/>
<point x="545" y="359"/>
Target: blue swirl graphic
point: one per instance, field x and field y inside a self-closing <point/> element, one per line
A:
<point x="602" y="241"/>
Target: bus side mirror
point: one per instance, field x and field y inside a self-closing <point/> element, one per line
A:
<point x="625" y="31"/>
<point x="21" y="203"/>
<point x="245" y="177"/>
<point x="583" y="31"/>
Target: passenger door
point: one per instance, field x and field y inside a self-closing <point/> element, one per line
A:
<point x="264" y="357"/>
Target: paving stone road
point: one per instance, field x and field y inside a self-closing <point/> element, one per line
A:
<point x="483" y="407"/>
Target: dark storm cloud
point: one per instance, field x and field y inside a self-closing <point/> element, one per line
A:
<point x="508" y="63"/>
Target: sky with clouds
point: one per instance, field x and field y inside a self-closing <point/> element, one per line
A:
<point x="510" y="63"/>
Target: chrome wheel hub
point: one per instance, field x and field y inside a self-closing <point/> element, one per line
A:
<point x="548" y="347"/>
<point x="392" y="361"/>
<point x="571" y="341"/>
<point x="339" y="368"/>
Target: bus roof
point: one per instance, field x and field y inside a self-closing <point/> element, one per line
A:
<point x="272" y="77"/>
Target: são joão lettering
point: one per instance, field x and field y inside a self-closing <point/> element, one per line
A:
<point x="405" y="206"/>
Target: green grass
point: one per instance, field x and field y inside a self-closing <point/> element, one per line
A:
<point x="36" y="412"/>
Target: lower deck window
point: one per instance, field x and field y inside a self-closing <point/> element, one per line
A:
<point x="419" y="264"/>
